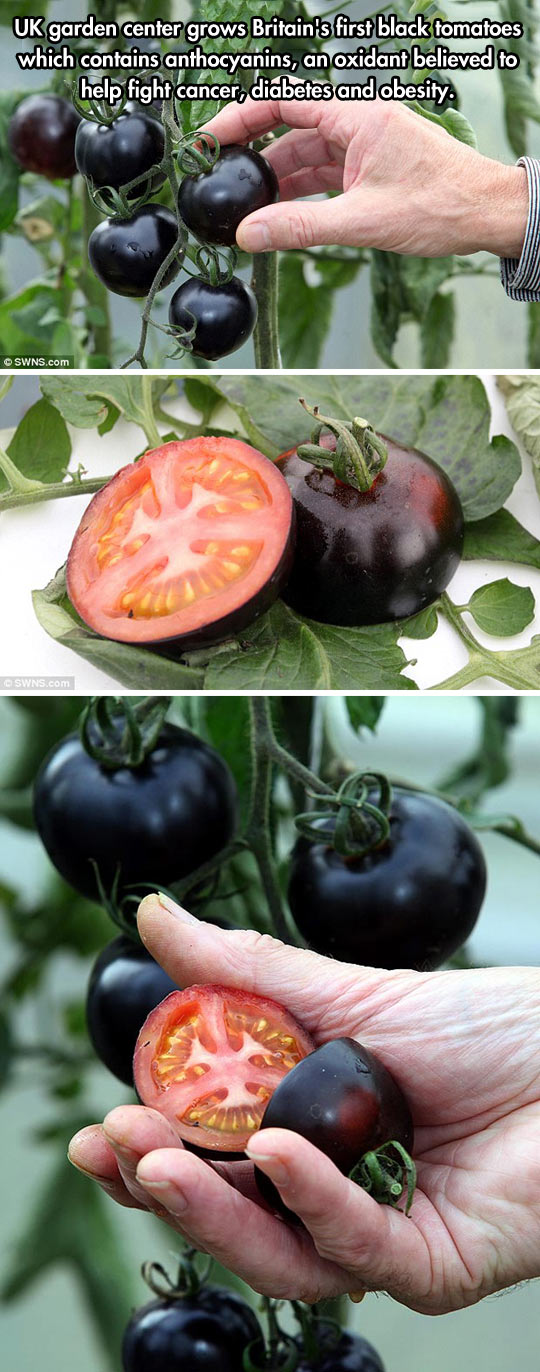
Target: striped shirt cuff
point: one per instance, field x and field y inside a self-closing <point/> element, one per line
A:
<point x="521" y="275"/>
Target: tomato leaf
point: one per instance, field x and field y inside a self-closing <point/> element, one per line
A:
<point x="364" y="711"/>
<point x="283" y="651"/>
<point x="500" y="537"/>
<point x="402" y="290"/>
<point x="86" y="401"/>
<point x="306" y="302"/>
<point x="501" y="608"/>
<point x="71" y="1224"/>
<point x="227" y="728"/>
<point x="455" y="433"/>
<point x="522" y="396"/>
<point x="437" y="331"/>
<point x="41" y="445"/>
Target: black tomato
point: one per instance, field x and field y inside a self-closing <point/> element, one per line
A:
<point x="411" y="902"/>
<point x="42" y="133"/>
<point x="126" y="253"/>
<point x="207" y="1332"/>
<point x="346" y="1353"/>
<point x="343" y="1100"/>
<point x="125" y="985"/>
<point x="114" y="154"/>
<point x="367" y="557"/>
<point x="224" y="316"/>
<point x="154" y="824"/>
<point x="213" y="203"/>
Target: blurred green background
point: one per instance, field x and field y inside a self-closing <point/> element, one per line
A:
<point x="91" y="1251"/>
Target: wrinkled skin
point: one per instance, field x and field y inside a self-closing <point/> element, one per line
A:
<point x="465" y="1049"/>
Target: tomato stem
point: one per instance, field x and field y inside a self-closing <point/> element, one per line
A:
<point x="264" y="282"/>
<point x="51" y="490"/>
<point x="359" y="454"/>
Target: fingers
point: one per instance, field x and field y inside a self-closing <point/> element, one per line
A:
<point x="299" y="225"/>
<point x="261" y="1249"/>
<point x="91" y="1154"/>
<point x="311" y="181"/>
<point x="242" y="123"/>
<point x="193" y="952"/>
<point x="378" y="1246"/>
<point x="132" y="1131"/>
<point x="301" y="148"/>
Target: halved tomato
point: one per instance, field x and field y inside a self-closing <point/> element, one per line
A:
<point x="209" y="1058"/>
<point x="184" y="547"/>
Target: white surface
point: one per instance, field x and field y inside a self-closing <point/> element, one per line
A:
<point x="35" y="541"/>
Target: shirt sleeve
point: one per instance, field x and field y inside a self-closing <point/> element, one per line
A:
<point x="521" y="275"/>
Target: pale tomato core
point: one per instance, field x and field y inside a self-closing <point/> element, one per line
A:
<point x="190" y="524"/>
<point x="213" y="1061"/>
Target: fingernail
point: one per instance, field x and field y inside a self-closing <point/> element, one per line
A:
<point x="122" y="1151"/>
<point x="105" y="1182"/>
<point x="356" y="1296"/>
<point x="176" y="910"/>
<point x="173" y="1197"/>
<point x="255" y="237"/>
<point x="275" y="1166"/>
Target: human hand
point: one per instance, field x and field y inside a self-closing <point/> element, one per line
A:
<point x="408" y="186"/>
<point x="464" y="1047"/>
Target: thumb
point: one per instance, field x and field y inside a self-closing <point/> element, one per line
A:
<point x="194" y="952"/>
<point x="298" y="224"/>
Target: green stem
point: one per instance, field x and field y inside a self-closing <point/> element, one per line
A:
<point x="289" y="764"/>
<point x="53" y="490"/>
<point x="264" y="281"/>
<point x="481" y="661"/>
<point x="258" y="828"/>
<point x="96" y="294"/>
<point x="208" y="869"/>
<point x="19" y="484"/>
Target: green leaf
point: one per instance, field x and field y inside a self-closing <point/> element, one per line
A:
<point x="437" y="331"/>
<point x="281" y="651"/>
<point x="306" y="302"/>
<point x="6" y="1049"/>
<point x="402" y="290"/>
<point x="501" y="608"/>
<point x="85" y="401"/>
<point x="138" y="668"/>
<point x="453" y="121"/>
<point x="522" y="396"/>
<point x="22" y="332"/>
<point x="41" y="445"/>
<point x="422" y="625"/>
<point x="71" y="1224"/>
<point x="364" y="711"/>
<point x="533" y="334"/>
<point x="489" y="763"/>
<point x="501" y="537"/>
<point x="228" y="729"/>
<point x="456" y="435"/>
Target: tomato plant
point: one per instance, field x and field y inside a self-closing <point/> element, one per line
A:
<point x="125" y="985"/>
<point x="213" y="203"/>
<point x="185" y="547"/>
<point x="120" y="152"/>
<point x="211" y="321"/>
<point x="410" y="900"/>
<point x="343" y="1352"/>
<point x="112" y="821"/>
<point x="41" y="136"/>
<point x="209" y="1058"/>
<point x="190" y="1325"/>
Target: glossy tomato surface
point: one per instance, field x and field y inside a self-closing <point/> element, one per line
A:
<point x="346" y="1353"/>
<point x="151" y="824"/>
<point x="42" y="133"/>
<point x="410" y="903"/>
<point x="184" y="547"/>
<point x="115" y="154"/>
<point x="206" y="1332"/>
<point x="374" y="556"/>
<point x="342" y="1099"/>
<point x="213" y="203"/>
<point x="224" y="317"/>
<point x="126" y="253"/>
<point x="209" y="1059"/>
<point x="125" y="985"/>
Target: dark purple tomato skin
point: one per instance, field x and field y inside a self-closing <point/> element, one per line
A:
<point x="342" y="1099"/>
<point x="215" y="202"/>
<point x="208" y="1332"/>
<point x="42" y="133"/>
<point x="114" y="154"/>
<point x="157" y="822"/>
<point x="126" y="253"/>
<point x="225" y="316"/>
<point x="410" y="903"/>
<point x="350" y="1353"/>
<point x="375" y="556"/>
<point x="125" y="985"/>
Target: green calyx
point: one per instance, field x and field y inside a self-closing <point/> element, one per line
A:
<point x="359" y="455"/>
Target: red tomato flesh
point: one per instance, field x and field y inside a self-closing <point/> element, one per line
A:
<point x="183" y="547"/>
<point x="209" y="1058"/>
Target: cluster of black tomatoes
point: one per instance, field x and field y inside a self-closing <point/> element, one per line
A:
<point x="210" y="317"/>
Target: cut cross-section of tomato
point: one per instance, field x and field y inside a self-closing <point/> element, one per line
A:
<point x="183" y="547"/>
<point x="209" y="1058"/>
